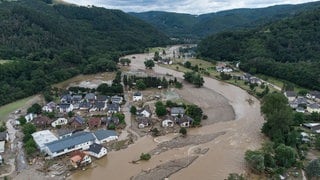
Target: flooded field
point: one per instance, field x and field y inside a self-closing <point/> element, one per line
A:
<point x="229" y="112"/>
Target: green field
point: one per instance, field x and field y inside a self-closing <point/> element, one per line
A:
<point x="7" y="109"/>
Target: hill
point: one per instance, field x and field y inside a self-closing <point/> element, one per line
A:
<point x="192" y="26"/>
<point x="288" y="49"/>
<point x="51" y="43"/>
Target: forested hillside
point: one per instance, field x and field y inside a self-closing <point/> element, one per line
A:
<point x="288" y="49"/>
<point x="192" y="26"/>
<point x="50" y="43"/>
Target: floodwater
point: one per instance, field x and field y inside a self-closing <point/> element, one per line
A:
<point x="226" y="153"/>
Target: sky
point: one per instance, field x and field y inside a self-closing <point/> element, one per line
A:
<point x="183" y="6"/>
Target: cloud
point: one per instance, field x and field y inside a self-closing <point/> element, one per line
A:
<point x="183" y="6"/>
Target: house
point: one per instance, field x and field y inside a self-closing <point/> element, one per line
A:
<point x="4" y="136"/>
<point x="312" y="126"/>
<point x="77" y="141"/>
<point x="300" y="110"/>
<point x="29" y="117"/>
<point x="1" y="160"/>
<point x="85" y="105"/>
<point x="77" y="122"/>
<point x="97" y="150"/>
<point x="65" y="107"/>
<point x="102" y="98"/>
<point x="305" y="137"/>
<point x="94" y="122"/>
<point x="66" y="99"/>
<point x="313" y="108"/>
<point x="100" y="106"/>
<point x="168" y="121"/>
<point x="50" y="107"/>
<point x="176" y="111"/>
<point x="314" y="95"/>
<point x="63" y="133"/>
<point x="144" y="112"/>
<point x="42" y="121"/>
<point x="185" y="121"/>
<point x="79" y="159"/>
<point x="246" y="77"/>
<point x="143" y="122"/>
<point x="291" y="95"/>
<point x="90" y="97"/>
<point x="116" y="99"/>
<point x="41" y="138"/>
<point x="113" y="108"/>
<point x="2" y="146"/>
<point x="59" y="122"/>
<point x="76" y="99"/>
<point x="104" y="136"/>
<point x="110" y="120"/>
<point x="137" y="96"/>
<point x="254" y="80"/>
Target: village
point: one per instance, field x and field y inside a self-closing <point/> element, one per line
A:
<point x="82" y="124"/>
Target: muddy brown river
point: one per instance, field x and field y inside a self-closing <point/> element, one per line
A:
<point x="242" y="123"/>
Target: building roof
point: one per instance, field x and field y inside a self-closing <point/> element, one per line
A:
<point x="41" y="120"/>
<point x="3" y="136"/>
<point x="102" y="98"/>
<point x="96" y="148"/>
<point x="314" y="106"/>
<point x="62" y="132"/>
<point x="66" y="97"/>
<point x="71" y="141"/>
<point x="64" y="105"/>
<point x="51" y="104"/>
<point x="43" y="137"/>
<point x="311" y="124"/>
<point x="185" y="118"/>
<point x="103" y="134"/>
<point x="90" y="96"/>
<point x="144" y="120"/>
<point x="116" y="98"/>
<point x="2" y="146"/>
<point x="94" y="121"/>
<point x="301" y="100"/>
<point x="177" y="110"/>
<point x="137" y="94"/>
<point x="79" y="120"/>
<point x="76" y="97"/>
<point x="290" y="94"/>
<point x="100" y="104"/>
<point x="84" y="104"/>
<point x="113" y="107"/>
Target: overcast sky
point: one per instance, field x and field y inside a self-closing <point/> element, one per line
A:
<point x="183" y="6"/>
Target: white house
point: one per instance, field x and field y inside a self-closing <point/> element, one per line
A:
<point x="137" y="96"/>
<point x="145" y="112"/>
<point x="167" y="123"/>
<point x="43" y="137"/>
<point x="291" y="95"/>
<point x="104" y="136"/>
<point x="2" y="146"/>
<point x="65" y="107"/>
<point x="97" y="150"/>
<point x="315" y="107"/>
<point x="50" y="107"/>
<point x="60" y="122"/>
<point x="29" y="117"/>
<point x="176" y="111"/>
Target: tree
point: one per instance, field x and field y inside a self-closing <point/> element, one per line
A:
<point x="164" y="82"/>
<point x="22" y="120"/>
<point x="133" y="110"/>
<point x="70" y="114"/>
<point x="149" y="64"/>
<point x="125" y="80"/>
<point x="197" y="80"/>
<point x="145" y="156"/>
<point x="28" y="128"/>
<point x="160" y="109"/>
<point x="235" y="176"/>
<point x="194" y="112"/>
<point x="156" y="56"/>
<point x="121" y="117"/>
<point x="35" y="108"/>
<point x="141" y="85"/>
<point x="183" y="131"/>
<point x="187" y="64"/>
<point x="285" y="156"/>
<point x="255" y="160"/>
<point x="313" y="169"/>
<point x="317" y="142"/>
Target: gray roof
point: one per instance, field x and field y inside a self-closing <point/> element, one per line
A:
<point x="291" y="94"/>
<point x="102" y="98"/>
<point x="66" y="97"/>
<point x="62" y="132"/>
<point x="100" y="104"/>
<point x="113" y="107"/>
<point x="3" y="136"/>
<point x="90" y="96"/>
<point x="314" y="106"/>
<point x="103" y="134"/>
<point x="96" y="148"/>
<point x="137" y="94"/>
<point x="76" y="97"/>
<point x="301" y="100"/>
<point x="177" y="110"/>
<point x="70" y="141"/>
<point x="64" y="105"/>
<point x="79" y="120"/>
